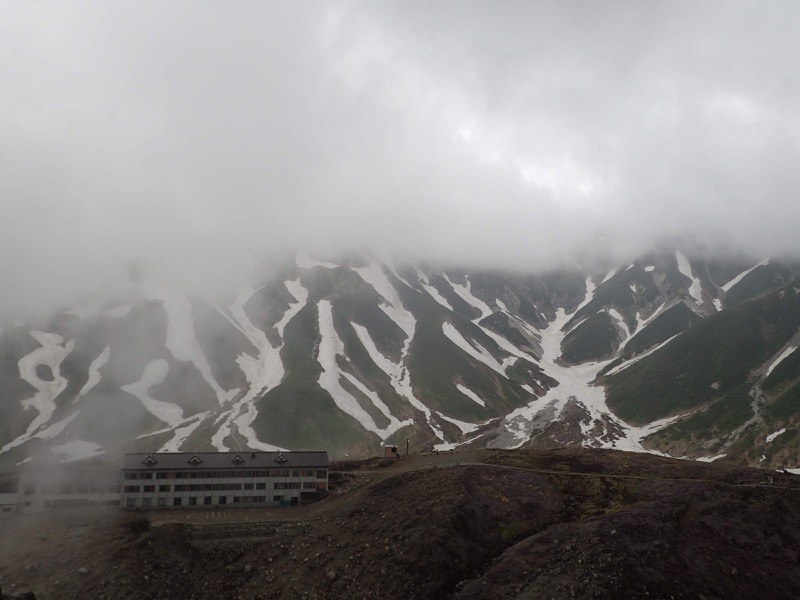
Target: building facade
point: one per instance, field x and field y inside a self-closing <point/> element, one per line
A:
<point x="222" y="479"/>
<point x="8" y="504"/>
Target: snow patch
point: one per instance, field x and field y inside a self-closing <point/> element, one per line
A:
<point x="602" y="428"/>
<point x="696" y="289"/>
<point x="609" y="275"/>
<point x="181" y="339"/>
<point x="711" y="458"/>
<point x="155" y="372"/>
<point x="742" y="275"/>
<point x="635" y="359"/>
<point x="263" y="372"/>
<point x="772" y="436"/>
<point x="717" y="304"/>
<point x="300" y="294"/>
<point x="462" y="425"/>
<point x="470" y="394"/>
<point x="52" y="352"/>
<point x="465" y="291"/>
<point x="94" y="373"/>
<point x="650" y="268"/>
<point x="78" y="450"/>
<point x="783" y="355"/>
<point x="399" y="375"/>
<point x="330" y="346"/>
<point x="477" y="351"/>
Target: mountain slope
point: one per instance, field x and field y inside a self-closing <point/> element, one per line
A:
<point x="350" y="354"/>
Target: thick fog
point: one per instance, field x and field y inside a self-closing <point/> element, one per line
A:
<point x="203" y="136"/>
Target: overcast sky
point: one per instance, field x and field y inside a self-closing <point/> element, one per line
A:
<point x="208" y="134"/>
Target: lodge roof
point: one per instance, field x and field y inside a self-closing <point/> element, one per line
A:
<point x="224" y="460"/>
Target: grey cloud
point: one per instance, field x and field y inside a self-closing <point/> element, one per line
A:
<point x="203" y="136"/>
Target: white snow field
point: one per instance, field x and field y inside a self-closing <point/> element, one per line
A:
<point x="576" y="382"/>
<point x="465" y="291"/>
<point x="330" y="346"/>
<point x="476" y="351"/>
<point x="155" y="372"/>
<point x="78" y="450"/>
<point x="781" y="357"/>
<point x="742" y="275"/>
<point x="696" y="289"/>
<point x="472" y="395"/>
<point x="94" y="373"/>
<point x="262" y="372"/>
<point x="434" y="293"/>
<point x="52" y="352"/>
<point x="397" y="372"/>
<point x="775" y="434"/>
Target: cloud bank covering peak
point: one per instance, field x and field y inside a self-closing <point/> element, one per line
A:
<point x="204" y="136"/>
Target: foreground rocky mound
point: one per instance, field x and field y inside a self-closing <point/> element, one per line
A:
<point x="569" y="523"/>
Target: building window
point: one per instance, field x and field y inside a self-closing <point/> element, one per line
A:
<point x="261" y="486"/>
<point x="295" y="473"/>
<point x="309" y="485"/>
<point x="164" y="488"/>
<point x="207" y="500"/>
<point x="146" y="501"/>
<point x="176" y="501"/>
<point x="223" y="499"/>
<point x="131" y="489"/>
<point x="322" y="474"/>
<point x="277" y="498"/>
<point x="248" y="486"/>
<point x="162" y="501"/>
<point x="192" y="501"/>
<point x="161" y="475"/>
<point x="131" y="503"/>
<point x="147" y="475"/>
<point x="131" y="476"/>
<point x="149" y="488"/>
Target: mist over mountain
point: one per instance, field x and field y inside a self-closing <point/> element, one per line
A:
<point x="202" y="140"/>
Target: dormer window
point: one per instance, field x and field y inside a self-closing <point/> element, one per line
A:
<point x="281" y="458"/>
<point x="237" y="460"/>
<point x="195" y="460"/>
<point x="149" y="461"/>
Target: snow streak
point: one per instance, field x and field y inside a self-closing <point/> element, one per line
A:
<point x="696" y="289"/>
<point x="601" y="428"/>
<point x="330" y="346"/>
<point x="742" y="275"/>
<point x="52" y="352"/>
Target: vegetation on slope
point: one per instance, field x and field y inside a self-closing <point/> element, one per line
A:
<point x="595" y="338"/>
<point x="712" y="361"/>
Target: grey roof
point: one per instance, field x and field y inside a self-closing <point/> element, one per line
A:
<point x="224" y="460"/>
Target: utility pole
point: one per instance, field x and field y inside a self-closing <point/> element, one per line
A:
<point x="407" y="447"/>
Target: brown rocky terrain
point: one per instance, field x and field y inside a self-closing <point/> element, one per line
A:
<point x="568" y="523"/>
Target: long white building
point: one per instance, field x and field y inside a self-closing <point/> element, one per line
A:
<point x="204" y="479"/>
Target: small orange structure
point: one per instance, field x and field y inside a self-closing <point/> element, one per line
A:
<point x="390" y="451"/>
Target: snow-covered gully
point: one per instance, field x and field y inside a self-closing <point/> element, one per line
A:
<point x="600" y="428"/>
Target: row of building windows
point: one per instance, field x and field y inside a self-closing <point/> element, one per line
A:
<point x="206" y="501"/>
<point x="68" y="503"/>
<point x="221" y="487"/>
<point x="70" y="489"/>
<point x="228" y="474"/>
